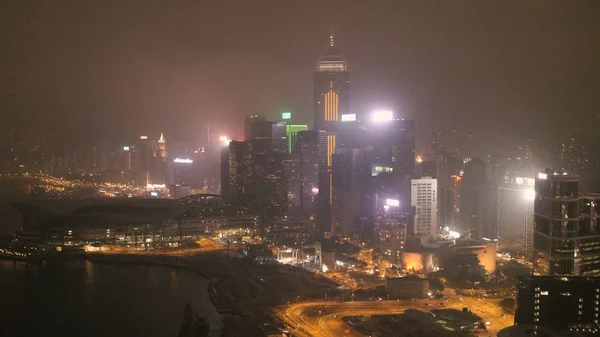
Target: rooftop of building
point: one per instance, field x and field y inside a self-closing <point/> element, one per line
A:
<point x="331" y="55"/>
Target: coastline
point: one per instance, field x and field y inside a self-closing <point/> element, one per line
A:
<point x="176" y="262"/>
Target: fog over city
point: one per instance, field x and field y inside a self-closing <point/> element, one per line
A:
<point x="299" y="168"/>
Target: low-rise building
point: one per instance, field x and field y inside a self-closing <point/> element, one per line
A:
<point x="419" y="262"/>
<point x="471" y="255"/>
<point x="407" y="287"/>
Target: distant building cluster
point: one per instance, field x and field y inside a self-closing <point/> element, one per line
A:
<point x="354" y="177"/>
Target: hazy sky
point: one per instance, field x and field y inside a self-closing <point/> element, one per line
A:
<point x="124" y="67"/>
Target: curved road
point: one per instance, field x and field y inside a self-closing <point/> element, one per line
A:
<point x="319" y="318"/>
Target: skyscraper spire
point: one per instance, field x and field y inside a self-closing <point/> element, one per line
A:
<point x="331" y="38"/>
<point x="162" y="138"/>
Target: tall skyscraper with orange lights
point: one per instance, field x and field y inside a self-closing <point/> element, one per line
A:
<point x="331" y="88"/>
<point x="331" y="101"/>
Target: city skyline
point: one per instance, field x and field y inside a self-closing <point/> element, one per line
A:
<point x="120" y="81"/>
<point x="316" y="168"/>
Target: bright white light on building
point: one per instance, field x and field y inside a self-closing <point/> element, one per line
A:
<point x="183" y="160"/>
<point x="286" y="115"/>
<point x="154" y="194"/>
<point x="143" y="137"/>
<point x="315" y="190"/>
<point x="419" y="159"/>
<point x="542" y="176"/>
<point x="125" y="148"/>
<point x="382" y="115"/>
<point x="454" y="234"/>
<point x="155" y="186"/>
<point x="225" y="140"/>
<point x="386" y="207"/>
<point x="392" y="202"/>
<point x="529" y="194"/>
<point x="447" y="229"/>
<point x="348" y="117"/>
<point x="325" y="269"/>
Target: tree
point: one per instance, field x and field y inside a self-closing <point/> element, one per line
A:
<point x="508" y="304"/>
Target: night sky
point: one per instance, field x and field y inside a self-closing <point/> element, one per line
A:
<point x="121" y="68"/>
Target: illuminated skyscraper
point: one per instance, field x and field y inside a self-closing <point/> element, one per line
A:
<point x="331" y="88"/>
<point x="566" y="238"/>
<point x="331" y="100"/>
<point x="423" y="197"/>
<point x="162" y="147"/>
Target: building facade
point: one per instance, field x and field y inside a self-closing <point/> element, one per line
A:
<point x="560" y="303"/>
<point x="566" y="238"/>
<point x="331" y="99"/>
<point x="423" y="197"/>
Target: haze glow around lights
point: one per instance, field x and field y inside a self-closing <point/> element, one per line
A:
<point x="529" y="194"/>
<point x="379" y="116"/>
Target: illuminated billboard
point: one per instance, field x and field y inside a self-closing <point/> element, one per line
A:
<point x="183" y="160"/>
<point x="376" y="169"/>
<point x="522" y="181"/>
<point x="348" y="117"/>
<point x="125" y="148"/>
<point x="286" y="115"/>
<point x="143" y="137"/>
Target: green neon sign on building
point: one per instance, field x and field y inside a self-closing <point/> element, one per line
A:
<point x="290" y="133"/>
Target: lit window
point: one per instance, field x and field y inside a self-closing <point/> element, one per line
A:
<point x="544" y="292"/>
